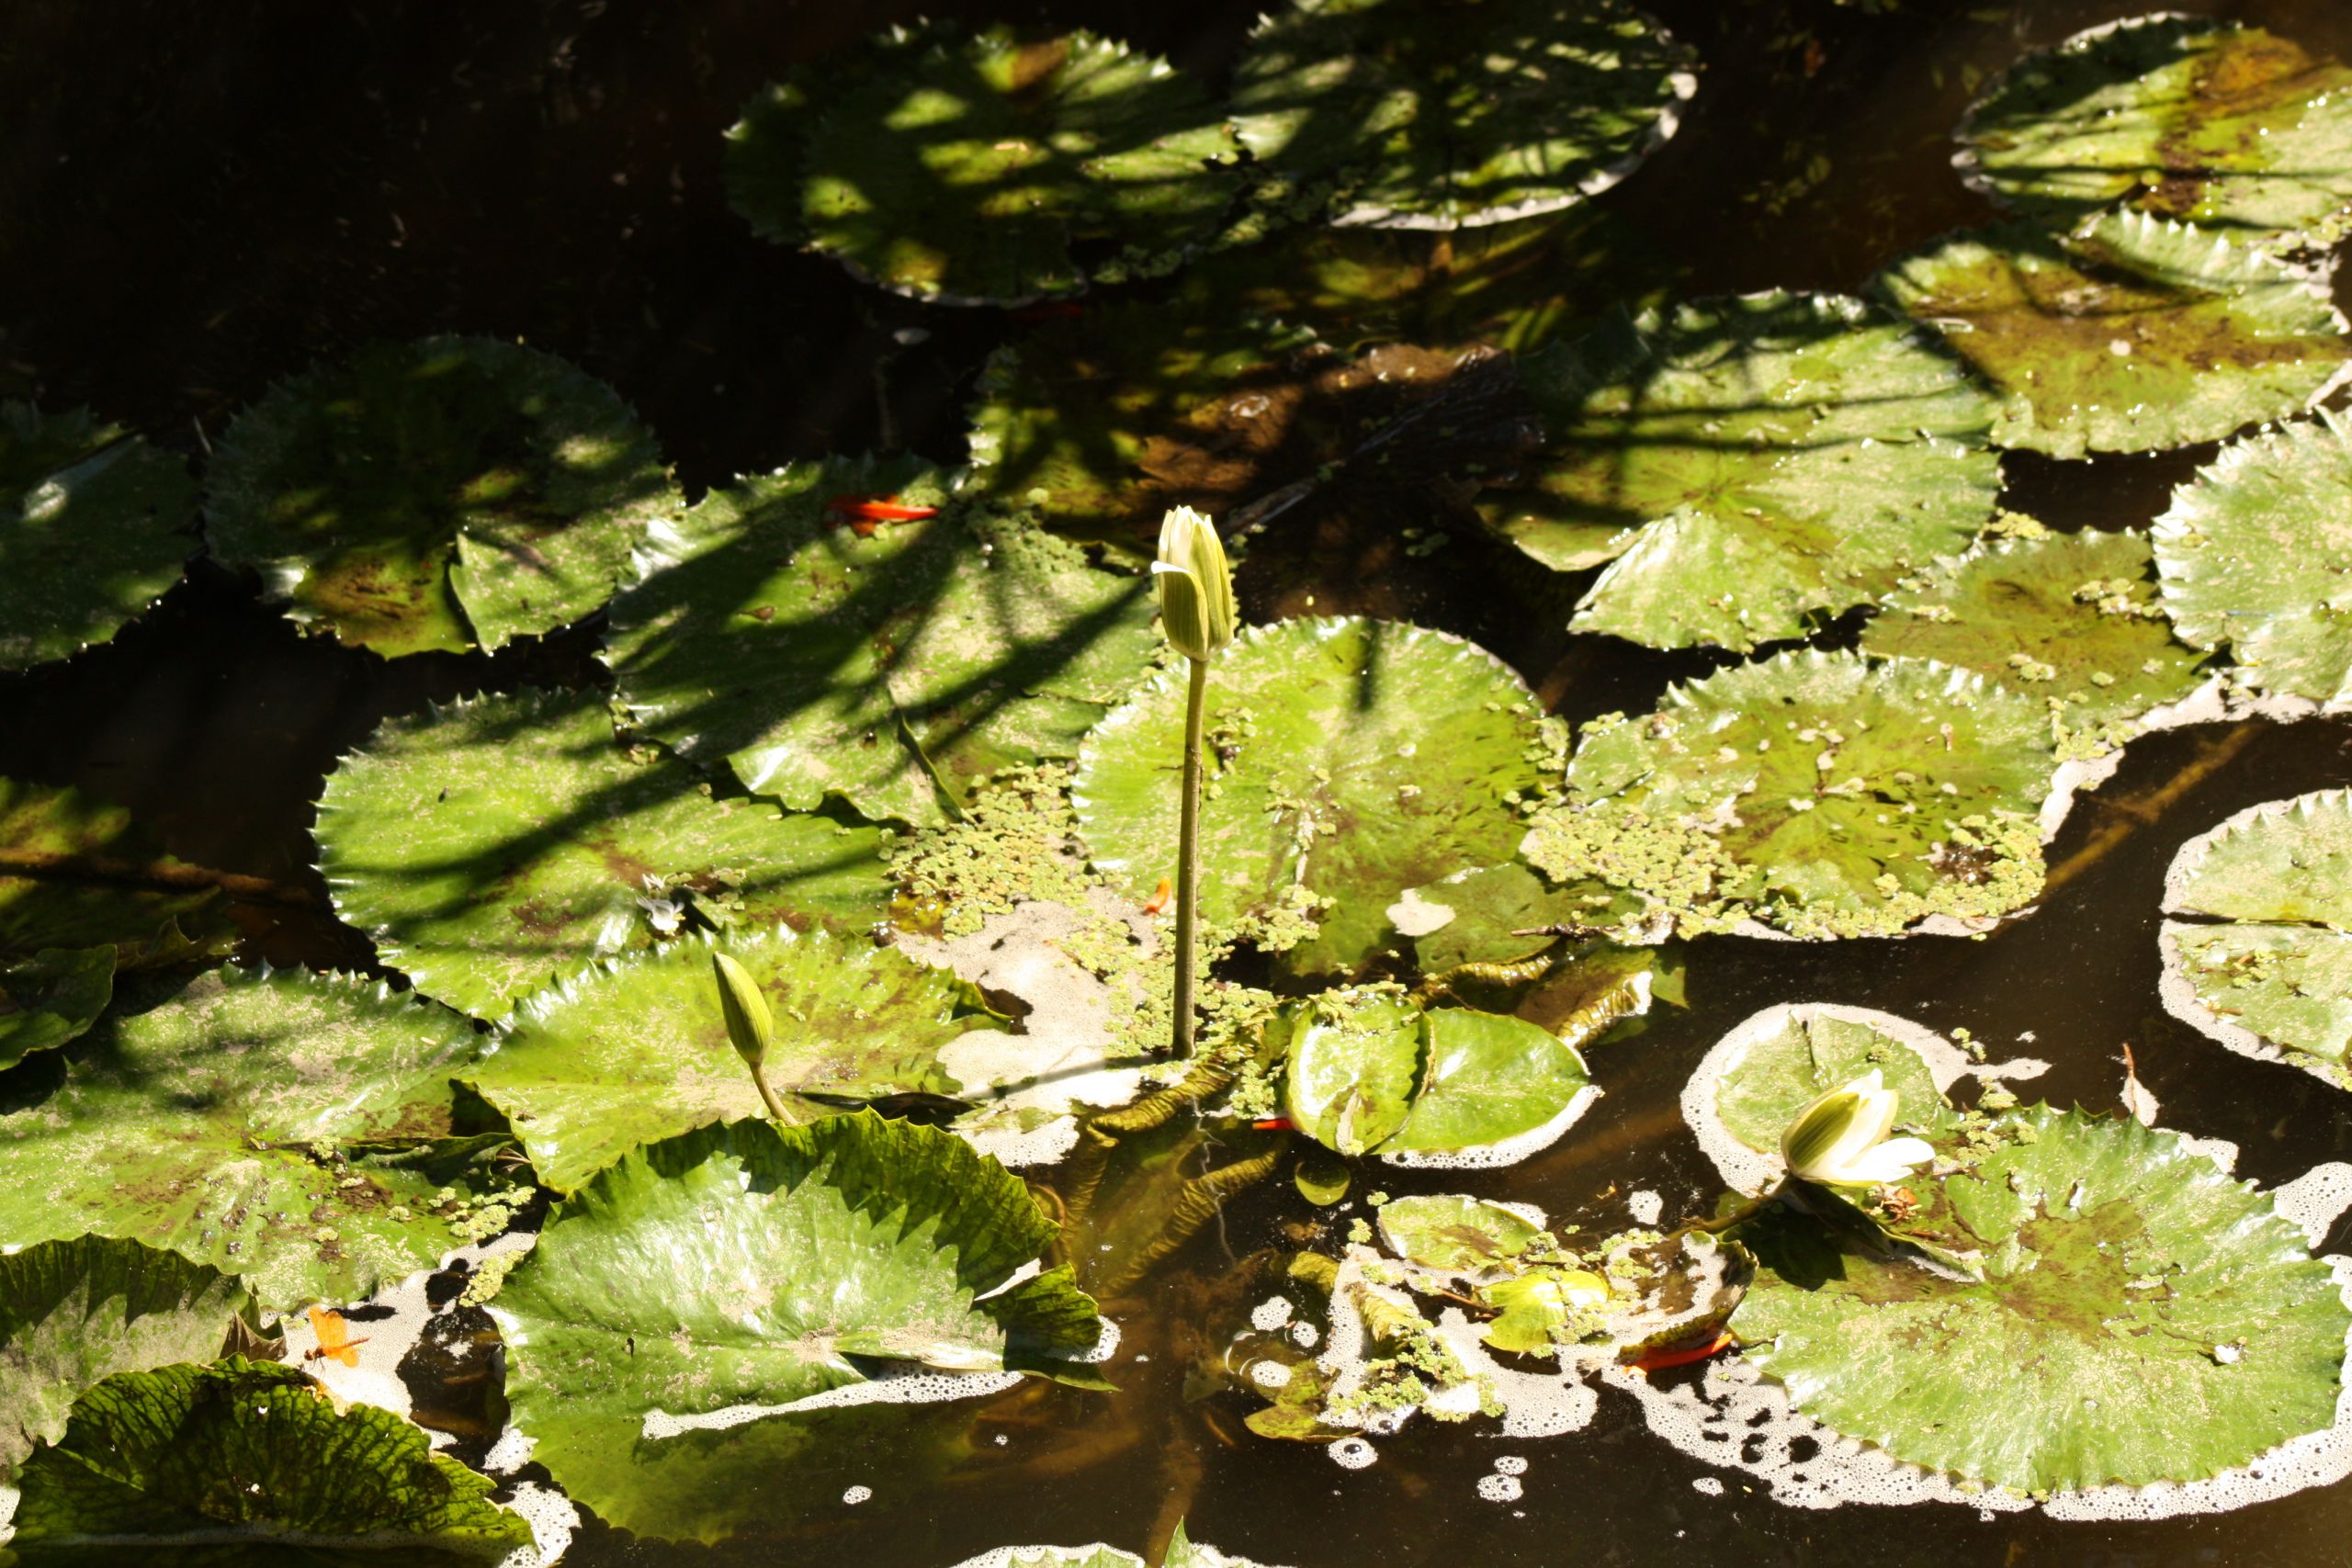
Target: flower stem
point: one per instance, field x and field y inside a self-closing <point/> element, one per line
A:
<point x="1746" y="1211"/>
<point x="768" y="1096"/>
<point x="1188" y="855"/>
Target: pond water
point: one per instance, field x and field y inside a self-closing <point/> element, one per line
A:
<point x="199" y="205"/>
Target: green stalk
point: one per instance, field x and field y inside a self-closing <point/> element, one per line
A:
<point x="1188" y="855"/>
<point x="768" y="1096"/>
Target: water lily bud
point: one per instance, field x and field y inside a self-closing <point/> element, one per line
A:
<point x="1195" y="585"/>
<point x="748" y="1023"/>
<point x="1841" y="1138"/>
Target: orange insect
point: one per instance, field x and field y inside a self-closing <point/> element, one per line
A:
<point x="1159" y="899"/>
<point x="335" y="1343"/>
<point x="864" y="513"/>
<point x="1658" y="1361"/>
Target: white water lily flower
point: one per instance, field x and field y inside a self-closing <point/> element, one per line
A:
<point x="1841" y="1138"/>
<point x="1196" y="584"/>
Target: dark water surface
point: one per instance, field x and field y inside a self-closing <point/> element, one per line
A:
<point x="196" y="199"/>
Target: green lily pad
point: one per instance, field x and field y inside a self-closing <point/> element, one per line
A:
<point x="51" y="997"/>
<point x="93" y="527"/>
<point x="224" y="1122"/>
<point x="1456" y="1234"/>
<point x="989" y="168"/>
<point x="1104" y="422"/>
<point x="2133" y="334"/>
<point x="1449" y="120"/>
<point x="895" y="671"/>
<point x="75" y="1312"/>
<point x="2176" y="1326"/>
<point x="1749" y="466"/>
<point x="1823" y="795"/>
<point x="77" y="873"/>
<point x="2211" y="122"/>
<point x="448" y="493"/>
<point x="2261" y="937"/>
<point x="1802" y="1053"/>
<point x="1353" y="1062"/>
<point x="635" y="1049"/>
<point x="251" y="1453"/>
<point x="498" y="845"/>
<point x="1506" y="914"/>
<point x="1353" y="759"/>
<point x="1488" y="1079"/>
<point x="754" y="1271"/>
<point x="2071" y="618"/>
<point x="2251" y="554"/>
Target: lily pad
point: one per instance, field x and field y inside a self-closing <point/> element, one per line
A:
<point x="444" y="494"/>
<point x="51" y="997"/>
<point x="94" y="525"/>
<point x="1812" y="1052"/>
<point x="247" y="1453"/>
<point x="1455" y="1235"/>
<point x="1449" y="120"/>
<point x="2252" y="553"/>
<point x="996" y="167"/>
<point x="1353" y="1064"/>
<point x="691" y="1340"/>
<point x="2261" y="933"/>
<point x="636" y="1049"/>
<point x="2176" y="1325"/>
<point x="225" y="1121"/>
<point x="1749" y="466"/>
<point x="78" y="872"/>
<point x="75" y="1312"/>
<point x="1353" y="759"/>
<point x="2133" y="334"/>
<point x="498" y="845"/>
<point x="1823" y="795"/>
<point x="895" y="672"/>
<point x="2072" y="618"/>
<point x="2211" y="122"/>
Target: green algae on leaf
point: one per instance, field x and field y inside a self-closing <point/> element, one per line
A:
<point x="1822" y="795"/>
<point x="93" y="527"/>
<point x="2211" y="122"/>
<point x="229" y="1122"/>
<point x="79" y="872"/>
<point x="1449" y="120"/>
<point x="2176" y="1326"/>
<point x="444" y="494"/>
<point x="635" y="1048"/>
<point x="2258" y="947"/>
<point x="699" y="1342"/>
<point x="2071" y="618"/>
<point x="2253" y="554"/>
<point x="996" y="167"/>
<point x="51" y="997"/>
<point x="1352" y="759"/>
<point x="895" y="672"/>
<point x="242" y="1455"/>
<point x="72" y="1313"/>
<point x="1748" y="467"/>
<point x="2130" y="334"/>
<point x="500" y="844"/>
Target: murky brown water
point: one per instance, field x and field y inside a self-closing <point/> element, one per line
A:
<point x="197" y="201"/>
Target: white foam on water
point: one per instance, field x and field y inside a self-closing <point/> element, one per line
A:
<point x="1353" y="1453"/>
<point x="1711" y="1485"/>
<point x="1501" y="1488"/>
<point x="1510" y="1464"/>
<point x="388" y="1340"/>
<point x="857" y="1494"/>
<point x="552" y="1518"/>
<point x="1269" y="1313"/>
<point x="1647" y="1207"/>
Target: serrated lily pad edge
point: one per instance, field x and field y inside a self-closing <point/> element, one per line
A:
<point x="2177" y="991"/>
<point x="1682" y="85"/>
<point x="1751" y="1170"/>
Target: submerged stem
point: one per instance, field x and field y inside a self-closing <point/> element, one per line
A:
<point x="1746" y="1211"/>
<point x="1188" y="855"/>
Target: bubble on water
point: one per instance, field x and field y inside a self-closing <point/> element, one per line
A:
<point x="1269" y="1313"/>
<point x="1510" y="1464"/>
<point x="1270" y="1375"/>
<point x="857" y="1494"/>
<point x="1305" y="1335"/>
<point x="1647" y="1207"/>
<point x="1499" y="1488"/>
<point x="1708" y="1485"/>
<point x="1353" y="1453"/>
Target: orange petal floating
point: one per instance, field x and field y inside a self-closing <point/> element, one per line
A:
<point x="1658" y="1361"/>
<point x="1159" y="899"/>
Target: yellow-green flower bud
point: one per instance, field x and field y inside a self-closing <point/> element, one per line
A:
<point x="1841" y="1138"/>
<point x="748" y="1023"/>
<point x="1195" y="585"/>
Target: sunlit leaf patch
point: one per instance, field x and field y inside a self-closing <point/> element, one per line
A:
<point x="1747" y="467"/>
<point x="892" y="664"/>
<point x="1454" y="118"/>
<point x="2130" y="334"/>
<point x="2212" y="123"/>
<point x="94" y="526"/>
<point x="1352" y="759"/>
<point x="2253" y="553"/>
<point x="500" y="844"/>
<point x="444" y="494"/>
<point x="725" y="1329"/>
<point x="2258" y="945"/>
